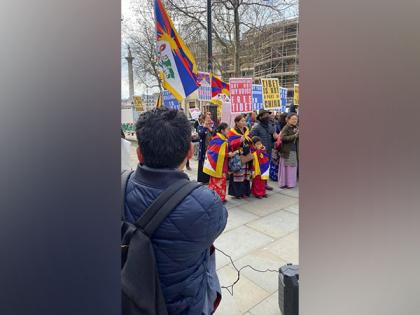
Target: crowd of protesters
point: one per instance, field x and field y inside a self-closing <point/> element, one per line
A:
<point x="241" y="158"/>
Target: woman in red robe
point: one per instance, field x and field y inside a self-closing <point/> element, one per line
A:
<point x="217" y="161"/>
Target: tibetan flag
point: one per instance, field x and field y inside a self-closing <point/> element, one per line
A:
<point x="234" y="138"/>
<point x="177" y="64"/>
<point x="261" y="164"/>
<point x="215" y="157"/>
<point x="218" y="86"/>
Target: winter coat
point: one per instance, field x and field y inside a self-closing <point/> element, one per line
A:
<point x="205" y="135"/>
<point x="265" y="132"/>
<point x="289" y="141"/>
<point x="182" y="242"/>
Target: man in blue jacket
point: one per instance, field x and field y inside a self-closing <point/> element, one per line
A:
<point x="183" y="242"/>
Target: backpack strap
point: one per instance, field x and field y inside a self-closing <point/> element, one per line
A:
<point x="164" y="204"/>
<point x="125" y="176"/>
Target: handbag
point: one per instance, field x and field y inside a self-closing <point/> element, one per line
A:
<point x="235" y="164"/>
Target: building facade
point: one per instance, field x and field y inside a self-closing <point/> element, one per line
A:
<point x="268" y="52"/>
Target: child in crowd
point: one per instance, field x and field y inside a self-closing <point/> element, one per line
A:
<point x="261" y="164"/>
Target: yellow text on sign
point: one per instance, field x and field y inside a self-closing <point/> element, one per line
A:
<point x="296" y="94"/>
<point x="271" y="91"/>
<point x="138" y="104"/>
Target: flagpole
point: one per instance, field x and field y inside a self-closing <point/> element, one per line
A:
<point x="210" y="48"/>
<point x="209" y="38"/>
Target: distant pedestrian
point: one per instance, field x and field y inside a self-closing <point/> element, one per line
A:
<point x="288" y="153"/>
<point x="204" y="131"/>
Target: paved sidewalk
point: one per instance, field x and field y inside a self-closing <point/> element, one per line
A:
<point x="262" y="233"/>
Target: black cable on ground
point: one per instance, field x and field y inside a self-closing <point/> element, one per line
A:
<point x="238" y="271"/>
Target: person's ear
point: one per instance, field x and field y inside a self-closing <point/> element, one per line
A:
<point x="190" y="151"/>
<point x="140" y="155"/>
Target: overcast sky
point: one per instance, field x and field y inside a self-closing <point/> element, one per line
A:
<point x="138" y="89"/>
<point x="126" y="13"/>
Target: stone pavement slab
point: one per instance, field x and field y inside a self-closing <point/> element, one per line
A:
<point x="277" y="224"/>
<point x="231" y="202"/>
<point x="246" y="294"/>
<point x="290" y="192"/>
<point x="266" y="206"/>
<point x="270" y="306"/>
<point x="287" y="248"/>
<point x="262" y="259"/>
<point x="238" y="217"/>
<point x="239" y="242"/>
<point x="293" y="208"/>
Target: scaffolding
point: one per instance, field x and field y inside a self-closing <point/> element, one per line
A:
<point x="279" y="54"/>
<point x="269" y="52"/>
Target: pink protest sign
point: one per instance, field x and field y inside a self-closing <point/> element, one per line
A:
<point x="241" y="95"/>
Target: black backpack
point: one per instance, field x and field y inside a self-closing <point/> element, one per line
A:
<point x="141" y="292"/>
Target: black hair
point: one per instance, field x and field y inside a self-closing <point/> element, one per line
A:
<point x="238" y="118"/>
<point x="221" y="127"/>
<point x="256" y="139"/>
<point x="164" y="137"/>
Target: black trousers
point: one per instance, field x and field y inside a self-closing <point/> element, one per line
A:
<point x="201" y="176"/>
<point x="239" y="189"/>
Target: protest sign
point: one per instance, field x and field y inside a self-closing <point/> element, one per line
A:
<point x="169" y="101"/>
<point x="138" y="103"/>
<point x="283" y="99"/>
<point x="296" y="94"/>
<point x="241" y="95"/>
<point x="271" y="93"/>
<point x="204" y="91"/>
<point x="195" y="113"/>
<point x="257" y="97"/>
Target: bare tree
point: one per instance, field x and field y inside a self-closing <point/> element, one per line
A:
<point x="232" y="18"/>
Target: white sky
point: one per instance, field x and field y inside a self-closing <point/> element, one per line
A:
<point x="127" y="14"/>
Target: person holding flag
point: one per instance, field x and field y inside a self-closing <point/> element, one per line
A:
<point x="261" y="164"/>
<point x="177" y="64"/>
<point x="216" y="163"/>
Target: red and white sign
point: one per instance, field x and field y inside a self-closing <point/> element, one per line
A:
<point x="241" y="95"/>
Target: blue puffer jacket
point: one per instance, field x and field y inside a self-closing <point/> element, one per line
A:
<point x="182" y="242"/>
